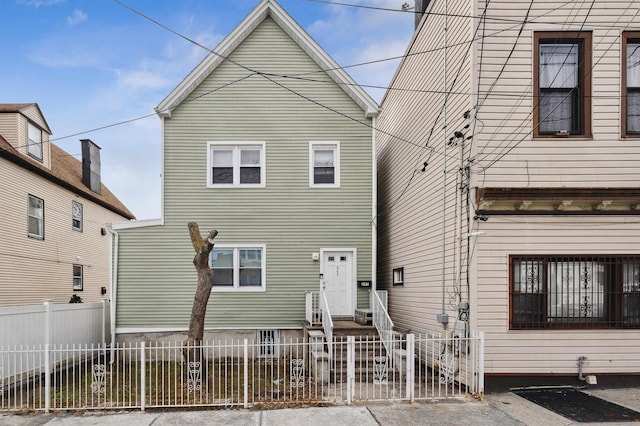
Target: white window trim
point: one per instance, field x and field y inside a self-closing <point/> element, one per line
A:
<point x="236" y="164"/>
<point x="236" y="268"/>
<point x="81" y="219"/>
<point x="81" y="276"/>
<point x="325" y="144"/>
<point x="37" y="146"/>
<point x="398" y="276"/>
<point x="36" y="236"/>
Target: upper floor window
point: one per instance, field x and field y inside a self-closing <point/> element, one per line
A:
<point x="238" y="268"/>
<point x="34" y="147"/>
<point x="562" y="84"/>
<point x="76" y="216"/>
<point x="575" y="292"/>
<point x="631" y="84"/>
<point x="231" y="165"/>
<point x="324" y="164"/>
<point x="35" y="217"/>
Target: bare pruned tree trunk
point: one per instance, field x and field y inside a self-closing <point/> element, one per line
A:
<point x="202" y="247"/>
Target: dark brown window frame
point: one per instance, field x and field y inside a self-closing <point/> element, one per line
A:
<point x="400" y="270"/>
<point x="612" y="305"/>
<point x="626" y="37"/>
<point x="583" y="39"/>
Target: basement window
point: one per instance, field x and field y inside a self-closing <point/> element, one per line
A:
<point x="268" y="343"/>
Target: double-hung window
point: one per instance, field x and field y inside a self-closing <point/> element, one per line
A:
<point x="78" y="284"/>
<point x="575" y="292"/>
<point x="562" y="84"/>
<point x="35" y="217"/>
<point x="76" y="216"/>
<point x="237" y="164"/>
<point x="324" y="164"/>
<point x="631" y="84"/>
<point x="238" y="268"/>
<point x="34" y="147"/>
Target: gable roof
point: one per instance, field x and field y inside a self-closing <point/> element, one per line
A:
<point x="267" y="8"/>
<point x="20" y="108"/>
<point x="65" y="171"/>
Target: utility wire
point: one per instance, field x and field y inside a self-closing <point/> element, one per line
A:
<point x="507" y="149"/>
<point x="293" y="76"/>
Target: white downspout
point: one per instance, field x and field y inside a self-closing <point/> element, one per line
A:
<point x="114" y="285"/>
<point x="374" y="207"/>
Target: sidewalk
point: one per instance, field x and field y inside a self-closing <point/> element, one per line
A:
<point x="496" y="409"/>
<point x="458" y="412"/>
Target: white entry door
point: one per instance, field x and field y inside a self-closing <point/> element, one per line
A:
<point x="337" y="267"/>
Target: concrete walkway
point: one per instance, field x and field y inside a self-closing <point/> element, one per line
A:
<point x="496" y="409"/>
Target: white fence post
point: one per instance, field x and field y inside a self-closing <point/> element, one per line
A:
<point x="481" y="363"/>
<point x="47" y="322"/>
<point x="143" y="375"/>
<point x="103" y="324"/>
<point x="351" y="367"/>
<point x="410" y="365"/>
<point x="47" y="379"/>
<point x="246" y="373"/>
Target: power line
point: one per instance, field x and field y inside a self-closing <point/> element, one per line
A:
<point x="506" y="150"/>
<point x="294" y="76"/>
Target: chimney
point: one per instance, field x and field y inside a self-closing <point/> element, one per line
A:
<point x="91" y="165"/>
<point x="421" y="7"/>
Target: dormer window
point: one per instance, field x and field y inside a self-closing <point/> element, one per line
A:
<point x="34" y="147"/>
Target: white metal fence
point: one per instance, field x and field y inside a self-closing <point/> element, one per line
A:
<point x="234" y="373"/>
<point x="24" y="327"/>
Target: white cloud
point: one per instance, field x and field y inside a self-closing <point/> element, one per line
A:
<point x="76" y="17"/>
<point x="38" y="3"/>
<point x="141" y="80"/>
<point x="358" y="35"/>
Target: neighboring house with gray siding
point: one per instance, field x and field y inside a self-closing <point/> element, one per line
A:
<point x="282" y="167"/>
<point x="55" y="215"/>
<point x="525" y="224"/>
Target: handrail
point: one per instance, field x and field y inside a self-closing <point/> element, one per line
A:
<point x="327" y="323"/>
<point x="309" y="306"/>
<point x="382" y="321"/>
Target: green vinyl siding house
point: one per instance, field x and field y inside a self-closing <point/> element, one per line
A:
<point x="282" y="167"/>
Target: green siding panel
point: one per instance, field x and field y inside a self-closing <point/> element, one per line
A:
<point x="156" y="277"/>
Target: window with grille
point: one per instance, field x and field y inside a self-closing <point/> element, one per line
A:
<point x="575" y="292"/>
<point x="268" y="343"/>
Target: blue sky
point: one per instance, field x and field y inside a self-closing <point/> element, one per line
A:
<point x="90" y="64"/>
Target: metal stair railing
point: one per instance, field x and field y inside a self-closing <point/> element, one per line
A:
<point x="327" y="323"/>
<point x="382" y="321"/>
